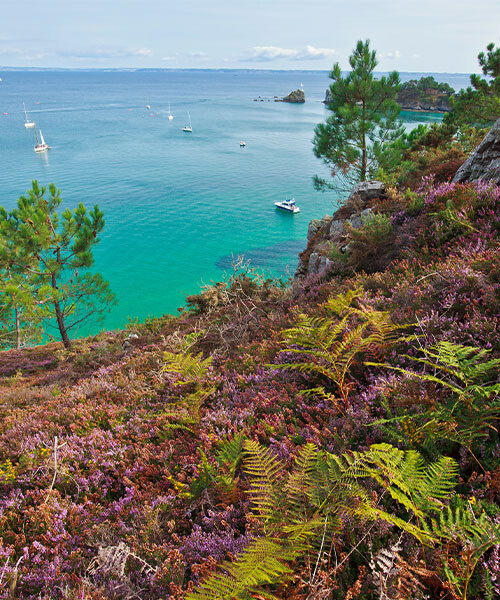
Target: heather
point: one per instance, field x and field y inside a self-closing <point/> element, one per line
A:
<point x="333" y="439"/>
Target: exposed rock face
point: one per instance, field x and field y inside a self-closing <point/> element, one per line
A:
<point x="411" y="100"/>
<point x="297" y="97"/>
<point x="432" y="101"/>
<point x="484" y="162"/>
<point x="330" y="232"/>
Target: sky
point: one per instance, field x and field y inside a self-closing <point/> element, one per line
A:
<point x="409" y="35"/>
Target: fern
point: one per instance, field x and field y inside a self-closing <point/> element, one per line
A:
<point x="190" y="367"/>
<point x="294" y="509"/>
<point x="264" y="562"/>
<point x="264" y="470"/>
<point x="230" y="453"/>
<point x="476" y="535"/>
<point x="330" y="345"/>
<point x="193" y="371"/>
<point x="473" y="406"/>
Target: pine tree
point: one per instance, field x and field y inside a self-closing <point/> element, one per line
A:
<point x="50" y="255"/>
<point x="364" y="120"/>
<point x="479" y="104"/>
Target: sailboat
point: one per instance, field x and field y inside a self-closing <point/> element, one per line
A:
<point x="188" y="128"/>
<point x="27" y="123"/>
<point x="41" y="145"/>
<point x="170" y="115"/>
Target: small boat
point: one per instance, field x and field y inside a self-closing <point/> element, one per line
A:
<point x="27" y="123"/>
<point x="188" y="128"/>
<point x="170" y="115"/>
<point x="288" y="206"/>
<point x="41" y="145"/>
<point x="243" y="144"/>
<point x="148" y="106"/>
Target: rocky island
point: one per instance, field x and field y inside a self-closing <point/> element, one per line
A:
<point x="295" y="97"/>
<point x="424" y="94"/>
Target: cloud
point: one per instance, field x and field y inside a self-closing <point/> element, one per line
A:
<point x="201" y="55"/>
<point x="100" y="54"/>
<point x="271" y="53"/>
<point x="391" y="55"/>
<point x="312" y="53"/>
<point x="106" y="53"/>
<point x="170" y="58"/>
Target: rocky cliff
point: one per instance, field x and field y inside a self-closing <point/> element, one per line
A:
<point x="425" y="94"/>
<point x="484" y="162"/>
<point x="329" y="234"/>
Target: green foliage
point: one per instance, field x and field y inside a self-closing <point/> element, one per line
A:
<point x="424" y="85"/>
<point x="364" y="119"/>
<point x="476" y="534"/>
<point x="372" y="242"/>
<point x="295" y="509"/>
<point x="46" y="255"/>
<point x="194" y="382"/>
<point x="230" y="453"/>
<point x="330" y="345"/>
<point x="479" y="104"/>
<point x="471" y="409"/>
<point x="264" y="562"/>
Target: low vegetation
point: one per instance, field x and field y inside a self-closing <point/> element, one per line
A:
<point x="334" y="439"/>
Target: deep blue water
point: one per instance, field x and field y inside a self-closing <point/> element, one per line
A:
<point x="177" y="206"/>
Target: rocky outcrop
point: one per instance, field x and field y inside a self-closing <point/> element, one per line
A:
<point x="484" y="162"/>
<point x="408" y="99"/>
<point x="329" y="233"/>
<point x="297" y="97"/>
<point x="433" y="101"/>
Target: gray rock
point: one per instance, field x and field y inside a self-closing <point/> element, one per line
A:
<point x="367" y="190"/>
<point x="355" y="222"/>
<point x="365" y="214"/>
<point x="314" y="225"/>
<point x="312" y="267"/>
<point x="336" y="229"/>
<point x="318" y="264"/>
<point x="484" y="162"/>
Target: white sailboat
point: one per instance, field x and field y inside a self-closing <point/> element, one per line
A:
<point x="188" y="128"/>
<point x="170" y="115"/>
<point x="27" y="123"/>
<point x="41" y="145"/>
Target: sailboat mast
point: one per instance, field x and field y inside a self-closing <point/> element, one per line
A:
<point x="25" y="113"/>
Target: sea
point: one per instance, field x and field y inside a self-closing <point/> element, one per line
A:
<point x="180" y="208"/>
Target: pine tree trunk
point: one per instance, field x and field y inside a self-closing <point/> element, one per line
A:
<point x="60" y="317"/>
<point x="18" y="330"/>
<point x="364" y="159"/>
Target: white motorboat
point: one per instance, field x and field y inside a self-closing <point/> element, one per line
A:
<point x="188" y="128"/>
<point x="288" y="206"/>
<point x="41" y="145"/>
<point x="170" y="115"/>
<point x="27" y="123"/>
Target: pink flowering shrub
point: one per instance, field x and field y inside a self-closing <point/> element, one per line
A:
<point x="105" y="494"/>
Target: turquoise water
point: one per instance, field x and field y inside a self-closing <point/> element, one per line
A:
<point x="178" y="206"/>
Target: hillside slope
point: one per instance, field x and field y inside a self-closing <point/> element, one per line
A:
<point x="337" y="439"/>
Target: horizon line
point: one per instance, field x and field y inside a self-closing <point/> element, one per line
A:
<point x="26" y="68"/>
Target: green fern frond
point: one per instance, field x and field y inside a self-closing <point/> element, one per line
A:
<point x="190" y="367"/>
<point x="265" y="471"/>
<point x="264" y="562"/>
<point x="230" y="453"/>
